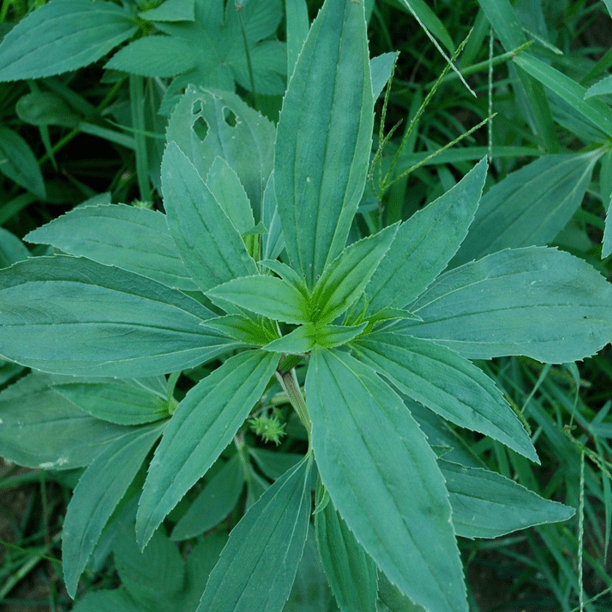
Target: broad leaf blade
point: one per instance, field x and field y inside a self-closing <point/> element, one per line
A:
<point x="488" y="505"/>
<point x="528" y="207"/>
<point x="264" y="295"/>
<point x="117" y="402"/>
<point x="258" y="565"/>
<point x="210" y="245"/>
<point x="96" y="496"/>
<point x="324" y="138"/>
<point x="61" y="36"/>
<point x="425" y="243"/>
<point x="135" y="239"/>
<point x="72" y="316"/>
<point x="446" y="383"/>
<point x="383" y="478"/>
<point x="345" y="278"/>
<point x="537" y="302"/>
<point x="351" y="572"/>
<point x="203" y="424"/>
<point x="41" y="429"/>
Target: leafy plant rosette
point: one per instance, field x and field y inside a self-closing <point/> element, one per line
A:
<point x="378" y="329"/>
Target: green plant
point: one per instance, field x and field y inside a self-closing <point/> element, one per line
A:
<point x="325" y="329"/>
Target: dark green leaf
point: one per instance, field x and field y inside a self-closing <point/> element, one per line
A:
<point x="203" y="424"/>
<point x="46" y="108"/>
<point x="243" y="329"/>
<point x="18" y="163"/>
<point x="528" y="207"/>
<point x="345" y="278"/>
<point x="425" y="243"/>
<point x="306" y="337"/>
<point x="536" y="301"/>
<point x="12" y="249"/>
<point x="351" y="572"/>
<point x="447" y="384"/>
<point x="324" y="138"/>
<point x="120" y="402"/>
<point x="62" y="36"/>
<point x="96" y="496"/>
<point x="211" y="247"/>
<point x="214" y="503"/>
<point x="75" y="316"/>
<point x="135" y="239"/>
<point x="384" y="480"/>
<point x="488" y="505"/>
<point x="171" y="10"/>
<point x="264" y="295"/>
<point x="274" y="464"/>
<point x="258" y="565"/>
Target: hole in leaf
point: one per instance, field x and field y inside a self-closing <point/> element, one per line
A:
<point x="230" y="117"/>
<point x="198" y="107"/>
<point x="200" y="128"/>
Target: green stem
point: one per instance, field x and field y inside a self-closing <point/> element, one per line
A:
<point x="290" y="385"/>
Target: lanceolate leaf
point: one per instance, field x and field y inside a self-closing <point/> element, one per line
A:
<point x="488" y="505"/>
<point x="42" y="429"/>
<point x="447" y="384"/>
<point x="74" y="316"/>
<point x="529" y="207"/>
<point x="61" y="36"/>
<point x="210" y="124"/>
<point x="131" y="238"/>
<point x="383" y="478"/>
<point x="324" y="138"/>
<point x="18" y="163"/>
<point x="425" y="243"/>
<point x="117" y="401"/>
<point x="265" y="295"/>
<point x="210" y="245"/>
<point x="203" y="424"/>
<point x="97" y="494"/>
<point x="345" y="278"/>
<point x="351" y="572"/>
<point x="536" y="301"/>
<point x="306" y="337"/>
<point x="258" y="565"/>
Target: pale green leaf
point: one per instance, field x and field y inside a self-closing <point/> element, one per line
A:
<point x="304" y="338"/>
<point x="209" y="244"/>
<point x="42" y="429"/>
<point x="536" y="301"/>
<point x="106" y="600"/>
<point x="135" y="239"/>
<point x="595" y="110"/>
<point x="528" y="207"/>
<point x="351" y="572"/>
<point x="116" y="401"/>
<point x="96" y="496"/>
<point x="202" y="425"/>
<point x="74" y="316"/>
<point x="12" y="249"/>
<point x="214" y="503"/>
<point x="606" y="192"/>
<point x="210" y="124"/>
<point x="381" y="67"/>
<point x="18" y="163"/>
<point x="384" y="480"/>
<point x="601" y="88"/>
<point x="61" y="36"/>
<point x="227" y="189"/>
<point x="488" y="505"/>
<point x="324" y="138"/>
<point x="257" y="567"/>
<point x="446" y="383"/>
<point x="171" y="10"/>
<point x="264" y="295"/>
<point x="273" y="242"/>
<point x="425" y="243"/>
<point x="243" y="329"/>
<point x="155" y="56"/>
<point x="297" y="30"/>
<point x="345" y="278"/>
